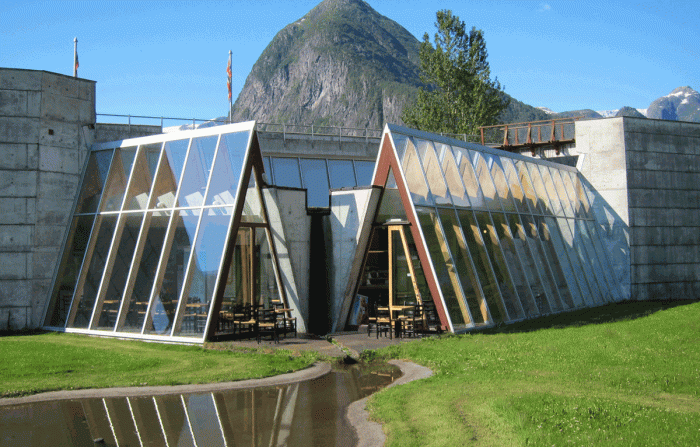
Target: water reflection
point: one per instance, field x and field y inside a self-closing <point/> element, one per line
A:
<point x="309" y="413"/>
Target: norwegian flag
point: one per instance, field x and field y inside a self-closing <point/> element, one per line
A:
<point x="228" y="79"/>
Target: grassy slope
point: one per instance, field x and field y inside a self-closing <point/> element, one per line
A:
<point x="626" y="374"/>
<point x="55" y="361"/>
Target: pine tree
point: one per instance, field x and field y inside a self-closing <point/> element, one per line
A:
<point x="460" y="95"/>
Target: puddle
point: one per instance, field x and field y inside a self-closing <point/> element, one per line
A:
<point x="309" y="413"/>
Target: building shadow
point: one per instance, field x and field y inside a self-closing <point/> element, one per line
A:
<point x="609" y="313"/>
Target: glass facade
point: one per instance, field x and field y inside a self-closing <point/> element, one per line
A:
<point x="507" y="237"/>
<point x="318" y="175"/>
<point x="154" y="217"/>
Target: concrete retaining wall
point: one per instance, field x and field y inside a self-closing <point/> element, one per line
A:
<point x="46" y="128"/>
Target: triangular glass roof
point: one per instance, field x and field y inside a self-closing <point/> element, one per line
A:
<point x="145" y="253"/>
<point x="501" y="237"/>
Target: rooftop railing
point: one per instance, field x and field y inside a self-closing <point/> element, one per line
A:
<point x="529" y="134"/>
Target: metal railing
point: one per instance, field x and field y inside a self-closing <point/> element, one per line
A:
<point x="285" y="129"/>
<point x="531" y="133"/>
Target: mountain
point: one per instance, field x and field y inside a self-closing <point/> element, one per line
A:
<point x="682" y="104"/>
<point x="629" y="111"/>
<point x="342" y="64"/>
<point x="586" y="113"/>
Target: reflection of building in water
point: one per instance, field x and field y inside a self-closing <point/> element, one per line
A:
<point x="160" y="236"/>
<point x="301" y="414"/>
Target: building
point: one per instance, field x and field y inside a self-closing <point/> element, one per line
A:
<point x="153" y="246"/>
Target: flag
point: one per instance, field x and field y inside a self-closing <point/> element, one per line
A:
<point x="228" y="78"/>
<point x="76" y="61"/>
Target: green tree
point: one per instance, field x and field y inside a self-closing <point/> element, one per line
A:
<point x="459" y="95"/>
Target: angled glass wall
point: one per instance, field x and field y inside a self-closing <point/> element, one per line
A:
<point x="151" y="226"/>
<point x="506" y="237"/>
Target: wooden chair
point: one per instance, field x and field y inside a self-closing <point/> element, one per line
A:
<point x="243" y="317"/>
<point x="266" y="324"/>
<point x="384" y="323"/>
<point x="286" y="323"/>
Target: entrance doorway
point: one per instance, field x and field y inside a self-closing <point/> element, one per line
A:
<point x="392" y="275"/>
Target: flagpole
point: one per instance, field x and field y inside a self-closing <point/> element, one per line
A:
<point x="230" y="102"/>
<point x="75" y="57"/>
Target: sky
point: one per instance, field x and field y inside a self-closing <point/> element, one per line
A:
<point x="164" y="58"/>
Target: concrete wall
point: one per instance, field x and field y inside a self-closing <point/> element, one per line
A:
<point x="644" y="182"/>
<point x="290" y="227"/>
<point x="352" y="211"/>
<point x="602" y="160"/>
<point x="46" y="128"/>
<point x="105" y="132"/>
<point x="663" y="162"/>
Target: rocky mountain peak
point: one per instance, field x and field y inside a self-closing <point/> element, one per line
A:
<point x="682" y="104"/>
<point x="342" y="64"/>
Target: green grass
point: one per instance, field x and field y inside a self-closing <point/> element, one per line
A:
<point x="623" y="374"/>
<point x="57" y="361"/>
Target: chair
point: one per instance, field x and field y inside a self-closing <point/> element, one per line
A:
<point x="285" y="323"/>
<point x="384" y="323"/>
<point x="243" y="317"/>
<point x="411" y="321"/>
<point x="266" y="324"/>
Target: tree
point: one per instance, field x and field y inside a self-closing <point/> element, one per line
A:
<point x="459" y="96"/>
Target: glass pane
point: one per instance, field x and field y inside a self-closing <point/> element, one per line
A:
<point x="69" y="270"/>
<point x="404" y="293"/>
<point x="444" y="267"/>
<point x="559" y="264"/>
<point x="364" y="171"/>
<point x="94" y="273"/>
<point x="118" y="178"/>
<point x="571" y="194"/>
<point x="146" y="272"/>
<point x="561" y="190"/>
<point x="433" y="173"/>
<point x="169" y="174"/>
<point x="551" y="190"/>
<point x="420" y="194"/>
<point x="482" y="264"/>
<point x="94" y="181"/>
<point x="585" y="210"/>
<point x="266" y="280"/>
<point x="119" y="271"/>
<point x="560" y="230"/>
<point x="206" y="261"/>
<point x="165" y="301"/>
<point x="543" y="204"/>
<point x="549" y="230"/>
<point x="267" y="175"/>
<point x="476" y="196"/>
<point x="511" y="253"/>
<point x="546" y="268"/>
<point x="514" y="183"/>
<point x="341" y="173"/>
<point x="535" y="266"/>
<point x="196" y="174"/>
<point x="286" y="172"/>
<point x="604" y="261"/>
<point x="253" y="206"/>
<point x="142" y="177"/>
<point x="239" y="280"/>
<point x="530" y="195"/>
<point x="452" y="177"/>
<point x="315" y="179"/>
<point x="467" y="277"/>
<point x="227" y="169"/>
<point x="391" y="207"/>
<point x="500" y="267"/>
<point x="599" y="277"/>
<point x="483" y="174"/>
<point x="499" y="180"/>
<point x="400" y="142"/>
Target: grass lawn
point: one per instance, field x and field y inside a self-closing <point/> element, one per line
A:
<point x="623" y="374"/>
<point x="58" y="361"/>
